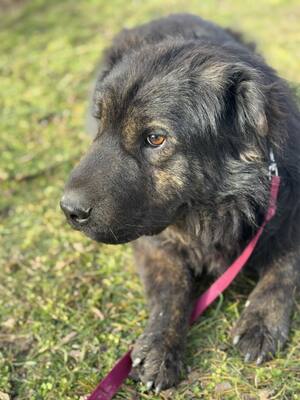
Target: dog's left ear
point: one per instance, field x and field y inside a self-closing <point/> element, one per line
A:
<point x="247" y="92"/>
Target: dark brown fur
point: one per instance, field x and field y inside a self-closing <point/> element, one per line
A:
<point x="204" y="192"/>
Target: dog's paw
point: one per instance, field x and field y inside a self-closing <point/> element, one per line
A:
<point x="154" y="363"/>
<point x="257" y="338"/>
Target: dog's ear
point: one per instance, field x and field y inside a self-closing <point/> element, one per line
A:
<point x="248" y="95"/>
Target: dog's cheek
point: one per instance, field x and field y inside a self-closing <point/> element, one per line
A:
<point x="170" y="183"/>
<point x="167" y="183"/>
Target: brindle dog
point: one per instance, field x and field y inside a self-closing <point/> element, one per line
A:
<point x="185" y="115"/>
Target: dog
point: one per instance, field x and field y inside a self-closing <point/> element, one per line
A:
<point x="185" y="115"/>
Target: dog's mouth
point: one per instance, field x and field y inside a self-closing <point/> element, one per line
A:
<point x="113" y="235"/>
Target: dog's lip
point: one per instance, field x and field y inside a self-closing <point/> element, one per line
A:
<point x="111" y="237"/>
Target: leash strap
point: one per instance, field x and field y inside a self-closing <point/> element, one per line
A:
<point x="109" y="386"/>
<point x="228" y="276"/>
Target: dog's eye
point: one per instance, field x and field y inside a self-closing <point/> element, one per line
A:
<point x="155" y="140"/>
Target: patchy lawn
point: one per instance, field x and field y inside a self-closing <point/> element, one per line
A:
<point x="69" y="307"/>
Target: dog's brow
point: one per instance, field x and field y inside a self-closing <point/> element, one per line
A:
<point x="130" y="130"/>
<point x="159" y="125"/>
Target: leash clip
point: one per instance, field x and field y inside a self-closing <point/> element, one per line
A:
<point x="273" y="169"/>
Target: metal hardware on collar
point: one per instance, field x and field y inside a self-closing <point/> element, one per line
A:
<point x="273" y="169"/>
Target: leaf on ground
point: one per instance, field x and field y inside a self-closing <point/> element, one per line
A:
<point x="222" y="387"/>
<point x="9" y="323"/>
<point x="265" y="394"/>
<point x="97" y="313"/>
<point x="68" y="337"/>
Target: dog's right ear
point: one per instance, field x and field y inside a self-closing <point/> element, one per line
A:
<point x="241" y="88"/>
<point x="247" y="91"/>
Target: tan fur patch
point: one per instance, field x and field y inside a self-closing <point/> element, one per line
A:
<point x="262" y="124"/>
<point x="167" y="179"/>
<point x="105" y="105"/>
<point x="250" y="156"/>
<point x="174" y="178"/>
<point x="155" y="125"/>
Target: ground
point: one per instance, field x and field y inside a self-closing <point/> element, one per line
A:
<point x="69" y="307"/>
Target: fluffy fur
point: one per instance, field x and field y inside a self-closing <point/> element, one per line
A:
<point x="204" y="191"/>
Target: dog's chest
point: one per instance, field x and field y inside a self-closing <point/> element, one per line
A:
<point x="201" y="255"/>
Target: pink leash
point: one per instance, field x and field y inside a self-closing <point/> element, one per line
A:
<point x="109" y="386"/>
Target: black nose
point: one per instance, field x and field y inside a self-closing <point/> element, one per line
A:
<point x="74" y="210"/>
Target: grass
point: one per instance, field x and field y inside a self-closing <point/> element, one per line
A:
<point x="69" y="307"/>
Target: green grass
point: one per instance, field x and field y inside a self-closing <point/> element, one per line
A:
<point x="69" y="307"/>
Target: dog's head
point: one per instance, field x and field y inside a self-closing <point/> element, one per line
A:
<point x="171" y="119"/>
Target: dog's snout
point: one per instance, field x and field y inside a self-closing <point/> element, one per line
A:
<point x="75" y="210"/>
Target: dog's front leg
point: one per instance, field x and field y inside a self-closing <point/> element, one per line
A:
<point x="264" y="324"/>
<point x="157" y="354"/>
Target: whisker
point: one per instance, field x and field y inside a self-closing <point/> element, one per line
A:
<point x="112" y="232"/>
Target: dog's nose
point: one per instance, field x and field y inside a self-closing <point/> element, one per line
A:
<point x="74" y="210"/>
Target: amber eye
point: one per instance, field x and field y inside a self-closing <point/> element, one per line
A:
<point x="155" y="140"/>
